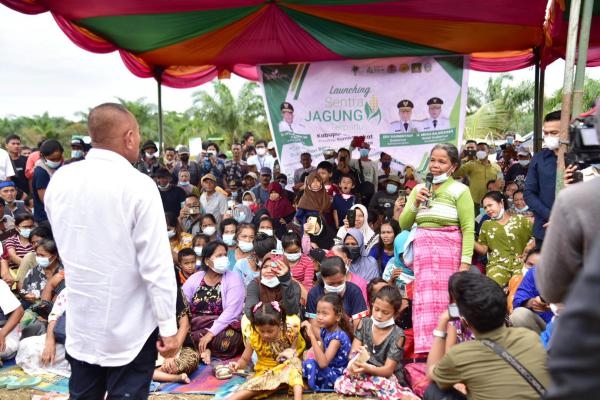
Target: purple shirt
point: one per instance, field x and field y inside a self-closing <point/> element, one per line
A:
<point x="233" y="294"/>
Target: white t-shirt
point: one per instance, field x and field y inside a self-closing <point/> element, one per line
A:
<point x="6" y="167"/>
<point x="8" y="301"/>
<point x="260" y="162"/>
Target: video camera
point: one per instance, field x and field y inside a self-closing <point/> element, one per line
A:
<point x="584" y="140"/>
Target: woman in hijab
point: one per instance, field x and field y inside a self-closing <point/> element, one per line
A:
<point x="279" y="208"/>
<point x="362" y="264"/>
<point x="362" y="224"/>
<point x="315" y="199"/>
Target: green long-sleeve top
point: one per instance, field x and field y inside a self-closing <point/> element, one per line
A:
<point x="450" y="205"/>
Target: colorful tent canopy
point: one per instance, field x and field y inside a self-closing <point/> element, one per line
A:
<point x="190" y="42"/>
<point x="558" y="28"/>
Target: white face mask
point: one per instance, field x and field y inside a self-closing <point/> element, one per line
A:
<point x="245" y="246"/>
<point x="292" y="256"/>
<point x="209" y="230"/>
<point x="335" y="289"/>
<point x="268" y="232"/>
<point x="522" y="210"/>
<point x="384" y="324"/>
<point x="270" y="282"/>
<point x="247" y="203"/>
<point x="481" y="155"/>
<point x="76" y="153"/>
<point x="441" y="178"/>
<point x="261" y="151"/>
<point x="150" y="155"/>
<point x="499" y="216"/>
<point x="228" y="238"/>
<point x="220" y="264"/>
<point x="43" y="262"/>
<point x="524" y="163"/>
<point x="198" y="250"/>
<point x="552" y="142"/>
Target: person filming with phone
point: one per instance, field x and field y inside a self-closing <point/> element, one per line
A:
<point x="500" y="363"/>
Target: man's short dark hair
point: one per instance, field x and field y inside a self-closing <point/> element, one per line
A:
<point x="247" y="135"/>
<point x="170" y="148"/>
<point x="261" y="141"/>
<point x="50" y="146"/>
<point x="552" y="116"/>
<point x="185" y="253"/>
<point x="12" y="137"/>
<point x="483" y="143"/>
<point x="305" y="154"/>
<point x="471" y="141"/>
<point x="326" y="165"/>
<point x="480" y="300"/>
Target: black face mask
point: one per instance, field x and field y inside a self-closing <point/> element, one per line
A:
<point x="354" y="252"/>
<point x="470" y="153"/>
<point x="184" y="158"/>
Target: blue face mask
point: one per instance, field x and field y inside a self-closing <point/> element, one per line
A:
<point x="53" y="164"/>
<point x="390" y="188"/>
<point x="364" y="152"/>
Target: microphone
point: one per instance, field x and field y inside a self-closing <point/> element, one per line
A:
<point x="428" y="185"/>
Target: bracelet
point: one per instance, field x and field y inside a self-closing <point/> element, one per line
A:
<point x="440" y="334"/>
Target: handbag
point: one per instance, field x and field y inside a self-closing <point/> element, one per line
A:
<point x="524" y="372"/>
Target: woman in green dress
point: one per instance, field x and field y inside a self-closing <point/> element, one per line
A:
<point x="503" y="238"/>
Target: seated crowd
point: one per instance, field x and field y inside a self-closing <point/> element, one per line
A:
<point x="366" y="281"/>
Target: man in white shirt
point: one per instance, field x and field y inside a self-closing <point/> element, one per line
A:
<point x="436" y="121"/>
<point x="262" y="159"/>
<point x="6" y="167"/>
<point x="11" y="312"/>
<point x="109" y="226"/>
<point x="211" y="201"/>
<point x="405" y="124"/>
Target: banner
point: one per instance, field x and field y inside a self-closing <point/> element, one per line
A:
<point x="403" y="106"/>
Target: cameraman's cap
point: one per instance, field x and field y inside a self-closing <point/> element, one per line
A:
<point x="78" y="142"/>
<point x="252" y="175"/>
<point x="286" y="107"/>
<point x="405" y="105"/>
<point x="271" y="145"/>
<point x="435" y="101"/>
<point x="183" y="150"/>
<point x="523" y="150"/>
<point x="209" y="177"/>
<point x="329" y="153"/>
<point x="149" y="145"/>
<point x="265" y="171"/>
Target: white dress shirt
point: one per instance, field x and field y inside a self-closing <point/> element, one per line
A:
<point x="260" y="162"/>
<point x="110" y="229"/>
<point x="6" y="167"/>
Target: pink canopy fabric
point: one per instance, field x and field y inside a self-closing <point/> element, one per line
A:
<point x="189" y="43"/>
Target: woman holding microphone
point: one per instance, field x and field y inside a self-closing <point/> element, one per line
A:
<point x="442" y="209"/>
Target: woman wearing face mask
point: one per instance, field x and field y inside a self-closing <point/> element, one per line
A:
<point x="216" y="299"/>
<point x="443" y="240"/>
<point x="249" y="200"/>
<point x="279" y="208"/>
<point x="362" y="224"/>
<point x="17" y="246"/>
<point x="343" y="252"/>
<point x="275" y="281"/>
<point x="184" y="183"/>
<point x="333" y="280"/>
<point x="246" y="265"/>
<point x="209" y="226"/>
<point x="362" y="264"/>
<point x="301" y="265"/>
<point x="48" y="264"/>
<point x="228" y="228"/>
<point x="502" y="238"/>
<point x="52" y="158"/>
<point x="178" y="239"/>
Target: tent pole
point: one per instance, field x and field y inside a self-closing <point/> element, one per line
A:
<point x="540" y="138"/>
<point x="536" y="102"/>
<point x="565" y="116"/>
<point x="158" y="76"/>
<point x="584" y="40"/>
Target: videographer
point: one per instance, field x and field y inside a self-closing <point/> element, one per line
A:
<point x="570" y="273"/>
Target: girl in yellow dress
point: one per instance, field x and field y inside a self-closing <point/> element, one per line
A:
<point x="278" y="344"/>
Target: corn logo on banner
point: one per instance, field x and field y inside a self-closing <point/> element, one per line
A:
<point x="403" y="106"/>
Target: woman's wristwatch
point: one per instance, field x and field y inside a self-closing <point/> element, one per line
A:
<point x="440" y="334"/>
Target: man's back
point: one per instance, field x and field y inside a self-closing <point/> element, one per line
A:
<point x="110" y="230"/>
<point x="487" y="375"/>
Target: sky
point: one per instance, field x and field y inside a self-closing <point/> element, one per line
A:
<point x="42" y="70"/>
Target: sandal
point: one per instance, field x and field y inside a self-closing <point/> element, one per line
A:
<point x="242" y="373"/>
<point x="222" y="372"/>
<point x="5" y="380"/>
